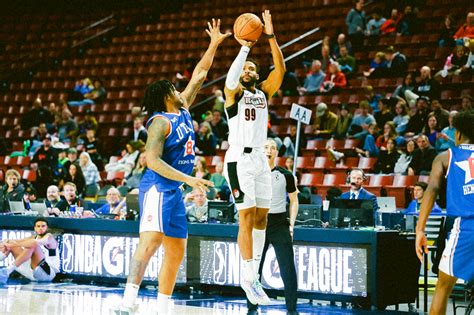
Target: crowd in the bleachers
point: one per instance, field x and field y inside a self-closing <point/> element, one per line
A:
<point x="403" y="129"/>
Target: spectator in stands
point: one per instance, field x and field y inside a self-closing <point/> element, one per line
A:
<point x="415" y="205"/>
<point x="290" y="142"/>
<point x="93" y="147"/>
<point x="197" y="211"/>
<point x="219" y="101"/>
<point x="419" y="120"/>
<point x="91" y="174"/>
<point x="369" y="149"/>
<point x="72" y="158"/>
<point x="36" y="116"/>
<point x="377" y="66"/>
<point x="384" y="112"/>
<point x="133" y="181"/>
<point x="427" y="86"/>
<point x="403" y="162"/>
<point x="76" y="176"/>
<point x="55" y="117"/>
<point x="341" y="42"/>
<point x="127" y="162"/>
<point x="206" y="142"/>
<point x="95" y="96"/>
<point x="219" y="127"/>
<point x="70" y="198"/>
<point x="402" y="118"/>
<point x="84" y="86"/>
<point x="396" y="63"/>
<point x="391" y="24"/>
<point x="344" y="120"/>
<point x="67" y="128"/>
<point x="314" y="79"/>
<point x="360" y="122"/>
<point x="115" y="204"/>
<point x="389" y="132"/>
<point x="40" y="133"/>
<point x="220" y="184"/>
<point x="373" y="97"/>
<point x="445" y="139"/>
<point x="387" y="158"/>
<point x="431" y="129"/>
<point x="468" y="68"/>
<point x="375" y="23"/>
<point x="446" y="36"/>
<point x="466" y="30"/>
<point x="200" y="168"/>
<point x="442" y="115"/>
<point x="422" y="157"/>
<point x="346" y="62"/>
<point x="325" y="58"/>
<point x="355" y="21"/>
<point x="45" y="157"/>
<point x="466" y="102"/>
<point x="357" y="178"/>
<point x="139" y="131"/>
<point x="454" y="62"/>
<point x="325" y="122"/>
<point x="289" y="163"/>
<point x="13" y="190"/>
<point x="407" y="84"/>
<point x="52" y="199"/>
<point x="89" y="122"/>
<point x="409" y="23"/>
<point x="334" y="80"/>
<point x="304" y="192"/>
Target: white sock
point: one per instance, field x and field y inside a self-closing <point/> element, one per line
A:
<point x="164" y="302"/>
<point x="10" y="269"/>
<point x="2" y="256"/>
<point x="130" y="294"/>
<point x="258" y="244"/>
<point x="248" y="272"/>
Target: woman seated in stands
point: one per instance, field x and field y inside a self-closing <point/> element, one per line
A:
<point x="387" y="158"/>
<point x="401" y="167"/>
<point x="127" y="162"/>
<point x="402" y="118"/>
<point x="133" y="181"/>
<point x="206" y="142"/>
<point x="91" y="174"/>
<point x="200" y="168"/>
<point x="13" y="190"/>
<point x="334" y="80"/>
<point x="94" y="96"/>
<point x="389" y="132"/>
<point x="407" y="84"/>
<point x="454" y="62"/>
<point x="431" y="130"/>
<point x="75" y="175"/>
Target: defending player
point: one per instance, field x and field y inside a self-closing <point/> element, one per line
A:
<point x="170" y="160"/>
<point x="457" y="164"/>
<point x="246" y="167"/>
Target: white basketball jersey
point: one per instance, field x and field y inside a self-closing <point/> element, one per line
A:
<point x="248" y="120"/>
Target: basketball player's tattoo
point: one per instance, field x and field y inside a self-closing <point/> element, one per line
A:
<point x="154" y="150"/>
<point x="137" y="270"/>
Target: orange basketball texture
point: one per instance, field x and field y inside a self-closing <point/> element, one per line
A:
<point x="248" y="27"/>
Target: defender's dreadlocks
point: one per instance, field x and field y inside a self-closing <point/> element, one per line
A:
<point x="155" y="94"/>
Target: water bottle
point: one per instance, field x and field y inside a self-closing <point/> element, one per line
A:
<point x="379" y="222"/>
<point x="72" y="209"/>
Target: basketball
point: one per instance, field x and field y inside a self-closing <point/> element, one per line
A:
<point x="248" y="27"/>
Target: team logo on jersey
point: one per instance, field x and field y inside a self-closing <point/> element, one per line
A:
<point x="468" y="167"/>
<point x="189" y="147"/>
<point x="258" y="102"/>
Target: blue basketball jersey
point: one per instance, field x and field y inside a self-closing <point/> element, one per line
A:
<point x="460" y="181"/>
<point x="178" y="150"/>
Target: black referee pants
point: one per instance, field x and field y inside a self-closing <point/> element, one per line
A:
<point x="278" y="235"/>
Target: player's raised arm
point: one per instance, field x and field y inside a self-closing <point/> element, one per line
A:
<point x="438" y="169"/>
<point x="203" y="66"/>
<point x="157" y="133"/>
<point x="271" y="85"/>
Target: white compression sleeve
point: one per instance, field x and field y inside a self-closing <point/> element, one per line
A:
<point x="233" y="76"/>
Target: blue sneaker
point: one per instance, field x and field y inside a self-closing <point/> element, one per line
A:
<point x="3" y="275"/>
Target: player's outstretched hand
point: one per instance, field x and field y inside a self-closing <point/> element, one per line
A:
<point x="421" y="245"/>
<point x="267" y="21"/>
<point x="199" y="183"/>
<point x="214" y="31"/>
<point x="244" y="42"/>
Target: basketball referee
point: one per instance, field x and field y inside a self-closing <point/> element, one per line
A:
<point x="279" y="231"/>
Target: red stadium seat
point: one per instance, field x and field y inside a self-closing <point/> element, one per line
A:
<point x="311" y="179"/>
<point x="398" y="189"/>
<point x="330" y="180"/>
<point x="366" y="163"/>
<point x="29" y="175"/>
<point x="377" y="182"/>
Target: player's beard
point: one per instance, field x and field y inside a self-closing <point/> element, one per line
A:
<point x="249" y="84"/>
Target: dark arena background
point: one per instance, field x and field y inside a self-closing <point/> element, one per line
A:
<point x="378" y="81"/>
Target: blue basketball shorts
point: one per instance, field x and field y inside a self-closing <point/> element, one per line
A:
<point x="458" y="256"/>
<point x="163" y="211"/>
